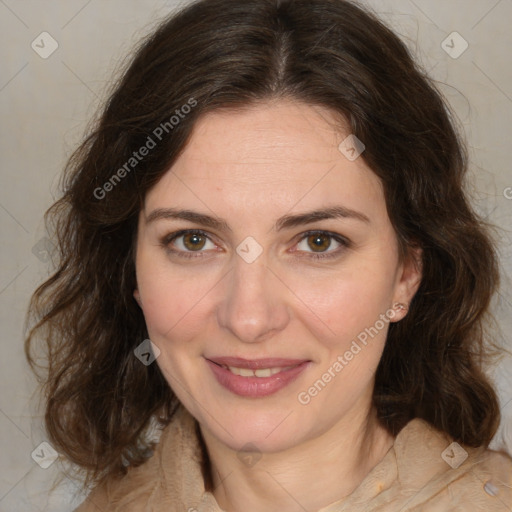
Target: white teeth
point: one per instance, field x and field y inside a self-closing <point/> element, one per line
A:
<point x="261" y="372"/>
<point x="264" y="372"/>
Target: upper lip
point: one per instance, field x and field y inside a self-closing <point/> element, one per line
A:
<point x="255" y="364"/>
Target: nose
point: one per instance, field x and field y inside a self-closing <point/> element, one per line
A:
<point x="253" y="307"/>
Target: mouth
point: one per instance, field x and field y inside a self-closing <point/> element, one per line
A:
<point x="256" y="377"/>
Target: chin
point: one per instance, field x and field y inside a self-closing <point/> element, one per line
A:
<point x="269" y="429"/>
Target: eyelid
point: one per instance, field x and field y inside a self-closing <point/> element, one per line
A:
<point x="167" y="239"/>
<point x="344" y="244"/>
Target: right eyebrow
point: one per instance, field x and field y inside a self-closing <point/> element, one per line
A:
<point x="197" y="218"/>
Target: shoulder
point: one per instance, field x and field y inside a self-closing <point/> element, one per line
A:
<point x="147" y="484"/>
<point x="484" y="481"/>
<point x="129" y="493"/>
<point x="446" y="475"/>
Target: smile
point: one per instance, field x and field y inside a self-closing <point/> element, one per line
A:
<point x="255" y="378"/>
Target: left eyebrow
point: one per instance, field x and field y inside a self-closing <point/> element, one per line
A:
<point x="335" y="212"/>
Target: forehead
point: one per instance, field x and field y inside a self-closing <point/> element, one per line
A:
<point x="269" y="156"/>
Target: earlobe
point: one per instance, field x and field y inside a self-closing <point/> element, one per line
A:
<point x="136" y="295"/>
<point x="412" y="273"/>
<point x="409" y="283"/>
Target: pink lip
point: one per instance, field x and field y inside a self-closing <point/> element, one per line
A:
<point x="256" y="386"/>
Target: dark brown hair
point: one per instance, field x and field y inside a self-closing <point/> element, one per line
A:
<point x="226" y="54"/>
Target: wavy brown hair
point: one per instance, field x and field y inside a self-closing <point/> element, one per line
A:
<point x="219" y="54"/>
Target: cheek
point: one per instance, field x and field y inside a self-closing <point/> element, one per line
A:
<point x="339" y="307"/>
<point x="174" y="306"/>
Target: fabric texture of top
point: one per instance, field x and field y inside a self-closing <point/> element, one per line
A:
<point x="424" y="471"/>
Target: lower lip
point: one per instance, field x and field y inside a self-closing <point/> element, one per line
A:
<point x="256" y="386"/>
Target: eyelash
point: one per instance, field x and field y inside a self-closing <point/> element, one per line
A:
<point x="168" y="239"/>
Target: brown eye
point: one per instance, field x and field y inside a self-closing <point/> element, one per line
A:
<point x="322" y="244"/>
<point x="194" y="241"/>
<point x="319" y="242"/>
<point x="189" y="244"/>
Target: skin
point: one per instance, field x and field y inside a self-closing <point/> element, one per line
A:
<point x="250" y="167"/>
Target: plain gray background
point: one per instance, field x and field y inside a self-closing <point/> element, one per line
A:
<point x="45" y="104"/>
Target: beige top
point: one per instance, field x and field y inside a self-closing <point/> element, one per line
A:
<point x="416" y="474"/>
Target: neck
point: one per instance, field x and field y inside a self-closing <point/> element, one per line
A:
<point x="307" y="477"/>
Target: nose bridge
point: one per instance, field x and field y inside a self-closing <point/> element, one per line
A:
<point x="253" y="305"/>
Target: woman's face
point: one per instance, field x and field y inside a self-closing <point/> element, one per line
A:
<point x="268" y="243"/>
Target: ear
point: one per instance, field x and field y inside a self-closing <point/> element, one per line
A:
<point x="409" y="277"/>
<point x="136" y="295"/>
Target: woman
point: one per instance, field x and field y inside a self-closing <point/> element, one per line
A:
<point x="265" y="245"/>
